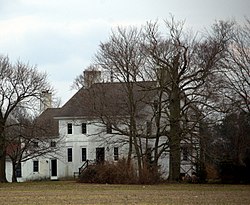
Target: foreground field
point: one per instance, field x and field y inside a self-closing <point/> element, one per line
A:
<point x="65" y="192"/>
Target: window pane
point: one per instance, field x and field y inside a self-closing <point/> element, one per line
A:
<point x="100" y="155"/>
<point x="185" y="153"/>
<point x="69" y="154"/>
<point x="84" y="154"/>
<point x="53" y="144"/>
<point x="35" y="144"/>
<point x="84" y="128"/>
<point x="116" y="153"/>
<point x="35" y="166"/>
<point x="19" y="170"/>
<point x="109" y="128"/>
<point x="69" y="128"/>
<point x="149" y="127"/>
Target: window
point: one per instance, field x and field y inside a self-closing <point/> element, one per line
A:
<point x="53" y="144"/>
<point x="70" y="128"/>
<point x="100" y="155"/>
<point x="148" y="156"/>
<point x="35" y="166"/>
<point x="35" y="144"/>
<point x="116" y="153"/>
<point x="69" y="154"/>
<point x="149" y="128"/>
<point x="84" y="128"/>
<point x="109" y="128"/>
<point x="84" y="154"/>
<point x="19" y="170"/>
<point x="185" y="153"/>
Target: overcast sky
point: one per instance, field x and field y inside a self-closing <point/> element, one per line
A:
<point x="62" y="36"/>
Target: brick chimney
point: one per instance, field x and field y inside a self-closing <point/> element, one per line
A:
<point x="91" y="77"/>
<point x="45" y="100"/>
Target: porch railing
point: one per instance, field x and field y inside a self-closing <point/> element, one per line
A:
<point x="83" y="167"/>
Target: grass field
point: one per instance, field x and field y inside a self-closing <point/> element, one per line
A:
<point x="69" y="192"/>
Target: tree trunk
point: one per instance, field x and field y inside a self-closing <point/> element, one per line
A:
<point x="174" y="143"/>
<point x="2" y="153"/>
<point x="14" y="165"/>
<point x="174" y="109"/>
<point x="133" y="126"/>
<point x="139" y="157"/>
<point x="201" y="169"/>
<point x="2" y="164"/>
<point x="136" y="145"/>
<point x="130" y="151"/>
<point x="174" y="160"/>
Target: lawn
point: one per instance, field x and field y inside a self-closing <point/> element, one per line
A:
<point x="70" y="192"/>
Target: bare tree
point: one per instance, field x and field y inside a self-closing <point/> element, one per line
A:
<point x="20" y="85"/>
<point x="28" y="138"/>
<point x="122" y="57"/>
<point x="183" y="64"/>
<point x="237" y="68"/>
<point x="231" y="84"/>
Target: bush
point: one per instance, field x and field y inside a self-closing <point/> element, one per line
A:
<point x="151" y="175"/>
<point x="111" y="173"/>
<point x="118" y="173"/>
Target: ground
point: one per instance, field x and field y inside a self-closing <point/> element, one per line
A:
<point x="70" y="192"/>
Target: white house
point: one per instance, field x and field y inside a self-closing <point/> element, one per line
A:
<point x="92" y="126"/>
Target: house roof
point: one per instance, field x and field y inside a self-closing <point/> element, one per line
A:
<point x="46" y="120"/>
<point x="98" y="100"/>
<point x="107" y="99"/>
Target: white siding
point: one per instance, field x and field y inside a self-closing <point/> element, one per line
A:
<point x="96" y="137"/>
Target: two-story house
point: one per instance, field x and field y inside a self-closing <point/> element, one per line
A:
<point x="95" y="125"/>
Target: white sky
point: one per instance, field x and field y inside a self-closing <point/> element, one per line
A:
<point x="62" y="36"/>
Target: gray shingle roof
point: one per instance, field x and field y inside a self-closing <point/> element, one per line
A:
<point x="107" y="98"/>
<point x="99" y="100"/>
<point x="47" y="122"/>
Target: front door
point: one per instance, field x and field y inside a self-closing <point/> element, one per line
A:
<point x="54" y="169"/>
<point x="100" y="154"/>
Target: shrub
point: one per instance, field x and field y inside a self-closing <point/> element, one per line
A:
<point x="151" y="175"/>
<point x="118" y="173"/>
<point x="111" y="173"/>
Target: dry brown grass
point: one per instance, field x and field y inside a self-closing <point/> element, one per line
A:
<point x="68" y="192"/>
